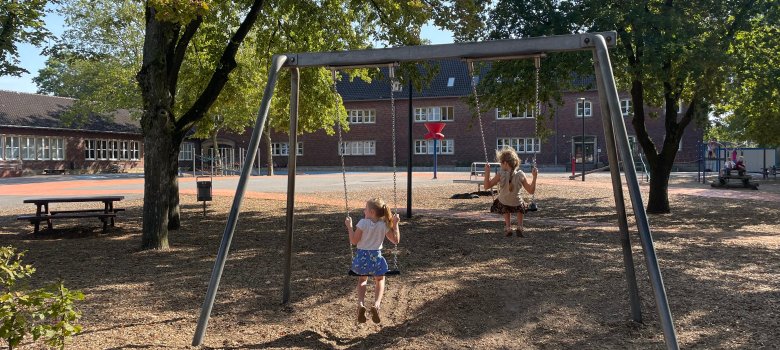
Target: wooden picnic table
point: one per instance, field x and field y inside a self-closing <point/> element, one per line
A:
<point x="42" y="212"/>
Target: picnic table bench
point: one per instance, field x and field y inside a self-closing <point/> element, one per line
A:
<point x="106" y="215"/>
<point x="724" y="180"/>
<point x="53" y="171"/>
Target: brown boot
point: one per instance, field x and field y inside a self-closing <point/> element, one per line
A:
<point x="361" y="314"/>
<point x="375" y="315"/>
<point x="520" y="232"/>
<point x="508" y="231"/>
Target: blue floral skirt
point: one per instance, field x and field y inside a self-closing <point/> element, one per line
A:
<point x="369" y="262"/>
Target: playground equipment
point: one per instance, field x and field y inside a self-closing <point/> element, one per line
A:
<point x="342" y="149"/>
<point x="614" y="128"/>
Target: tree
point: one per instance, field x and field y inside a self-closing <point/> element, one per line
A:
<point x="751" y="110"/>
<point x="668" y="53"/>
<point x="200" y="59"/>
<point x="20" y="22"/>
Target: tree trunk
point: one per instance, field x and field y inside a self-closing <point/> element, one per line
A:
<point x="268" y="148"/>
<point x="158" y="126"/>
<point x="174" y="213"/>
<point x="157" y="180"/>
<point x="658" y="203"/>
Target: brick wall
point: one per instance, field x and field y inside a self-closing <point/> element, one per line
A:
<point x="74" y="148"/>
<point x="321" y="149"/>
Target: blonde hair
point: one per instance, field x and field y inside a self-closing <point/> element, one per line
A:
<point x="509" y="156"/>
<point x="381" y="209"/>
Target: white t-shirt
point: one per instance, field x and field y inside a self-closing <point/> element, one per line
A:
<point x="373" y="234"/>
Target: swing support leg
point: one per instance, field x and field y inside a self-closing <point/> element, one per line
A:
<point x="617" y="190"/>
<point x="609" y="93"/>
<point x="293" y="151"/>
<point x="216" y="274"/>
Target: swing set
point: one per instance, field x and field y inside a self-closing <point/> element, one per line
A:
<point x="617" y="145"/>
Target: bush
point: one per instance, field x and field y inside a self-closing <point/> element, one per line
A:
<point x="46" y="314"/>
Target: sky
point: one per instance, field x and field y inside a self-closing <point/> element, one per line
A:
<point x="32" y="60"/>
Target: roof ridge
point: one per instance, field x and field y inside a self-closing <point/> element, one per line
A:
<point x="36" y="94"/>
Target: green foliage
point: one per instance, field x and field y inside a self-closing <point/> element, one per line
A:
<point x="751" y="108"/>
<point x="46" y="314"/>
<point x="21" y="21"/>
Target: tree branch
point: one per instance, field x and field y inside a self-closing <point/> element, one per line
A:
<point x="180" y="51"/>
<point x="220" y="77"/>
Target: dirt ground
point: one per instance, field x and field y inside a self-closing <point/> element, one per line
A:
<point x="463" y="284"/>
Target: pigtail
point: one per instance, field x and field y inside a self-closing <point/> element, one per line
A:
<point x="511" y="175"/>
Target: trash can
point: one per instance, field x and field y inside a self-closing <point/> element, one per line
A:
<point x="204" y="190"/>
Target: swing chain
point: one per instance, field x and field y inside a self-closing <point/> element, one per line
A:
<point x="393" y="84"/>
<point x="537" y="110"/>
<point x="474" y="81"/>
<point x="341" y="152"/>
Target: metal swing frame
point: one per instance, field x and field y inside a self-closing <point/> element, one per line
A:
<point x="614" y="129"/>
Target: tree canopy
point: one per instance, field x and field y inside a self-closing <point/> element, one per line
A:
<point x="21" y="22"/>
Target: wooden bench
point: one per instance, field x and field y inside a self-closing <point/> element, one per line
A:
<point x="53" y="171"/>
<point x="106" y="218"/>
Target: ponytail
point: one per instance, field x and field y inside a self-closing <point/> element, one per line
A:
<point x="386" y="215"/>
<point x="381" y="209"/>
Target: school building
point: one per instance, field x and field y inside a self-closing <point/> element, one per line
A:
<point x="369" y="141"/>
<point x="36" y="138"/>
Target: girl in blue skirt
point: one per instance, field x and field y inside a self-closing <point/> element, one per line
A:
<point x="368" y="236"/>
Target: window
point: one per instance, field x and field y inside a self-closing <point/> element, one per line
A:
<point x="186" y="150"/>
<point x="451" y="82"/>
<point x="445" y="146"/>
<point x="434" y="114"/>
<point x="28" y="148"/>
<point x="43" y="147"/>
<point x="527" y="113"/>
<point x="57" y="149"/>
<point x="89" y="149"/>
<point x="625" y="107"/>
<point x="135" y="150"/>
<point x="102" y="152"/>
<point x="113" y="150"/>
<point x="283" y="148"/>
<point x="12" y="147"/>
<point x="584" y="108"/>
<point x="521" y="144"/>
<point x="125" y="151"/>
<point x="358" y="148"/>
<point x="590" y="149"/>
<point x="361" y="116"/>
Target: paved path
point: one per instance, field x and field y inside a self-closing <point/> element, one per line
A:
<point x="14" y="190"/>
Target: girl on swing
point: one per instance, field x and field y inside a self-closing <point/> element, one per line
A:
<point x="510" y="178"/>
<point x="368" y="236"/>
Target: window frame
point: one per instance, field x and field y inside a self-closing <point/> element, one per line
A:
<point x="587" y="109"/>
<point x="361" y="116"/>
<point x="628" y="109"/>
<point x="57" y="148"/>
<point x="365" y="147"/>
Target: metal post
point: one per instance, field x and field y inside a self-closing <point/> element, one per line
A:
<point x="219" y="265"/>
<point x="435" y="154"/>
<point x="620" y="207"/>
<point x="292" y="149"/>
<point x="582" y="99"/>
<point x="411" y="154"/>
<point x="621" y="136"/>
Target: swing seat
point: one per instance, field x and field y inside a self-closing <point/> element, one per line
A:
<point x="388" y="273"/>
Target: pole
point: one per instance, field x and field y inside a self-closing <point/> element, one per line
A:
<point x="435" y="151"/>
<point x="583" y="138"/>
<point x="230" y="228"/>
<point x="604" y="69"/>
<point x="411" y="153"/>
<point x="291" y="163"/>
<point x="620" y="203"/>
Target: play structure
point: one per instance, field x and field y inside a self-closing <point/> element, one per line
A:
<point x="617" y="146"/>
